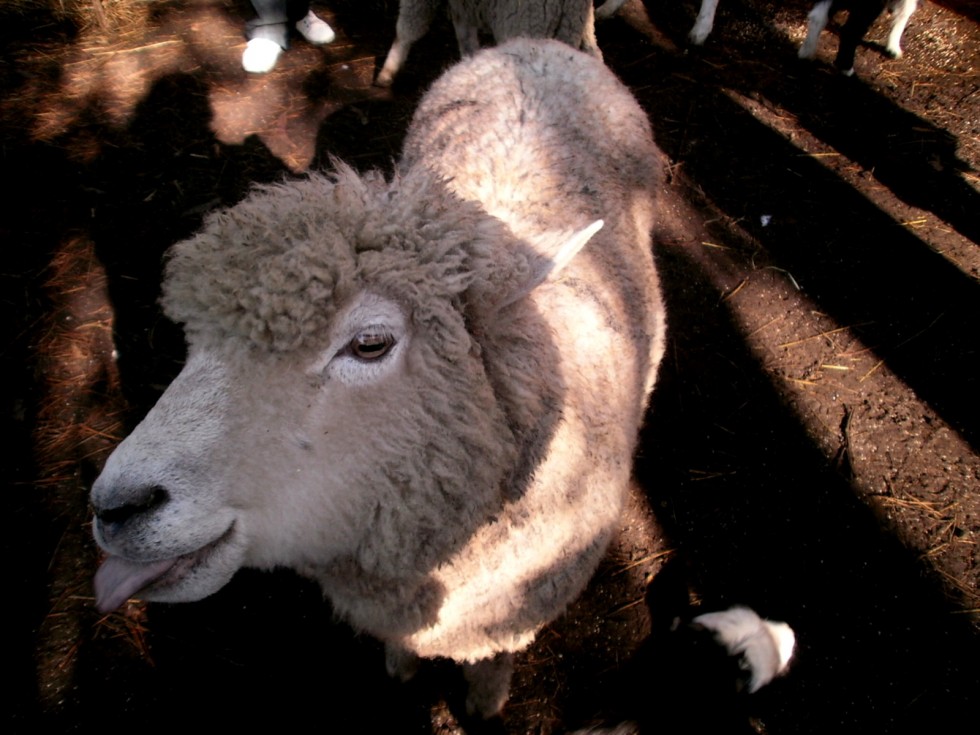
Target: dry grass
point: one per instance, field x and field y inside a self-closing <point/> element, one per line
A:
<point x="104" y="16"/>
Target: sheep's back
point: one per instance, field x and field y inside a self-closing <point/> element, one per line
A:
<point x="534" y="130"/>
<point x="547" y="140"/>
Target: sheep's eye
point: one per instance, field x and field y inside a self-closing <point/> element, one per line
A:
<point x="371" y="344"/>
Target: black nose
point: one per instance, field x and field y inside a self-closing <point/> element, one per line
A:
<point x="138" y="502"/>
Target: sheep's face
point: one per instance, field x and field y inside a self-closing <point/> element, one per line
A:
<point x="335" y="404"/>
<point x="253" y="458"/>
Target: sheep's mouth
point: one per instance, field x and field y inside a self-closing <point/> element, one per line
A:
<point x="118" y="579"/>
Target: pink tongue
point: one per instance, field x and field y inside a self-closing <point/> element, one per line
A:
<point x="117" y="580"/>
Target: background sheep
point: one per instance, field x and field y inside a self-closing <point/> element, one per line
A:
<point x="571" y="21"/>
<point x="861" y="16"/>
<point x="417" y="392"/>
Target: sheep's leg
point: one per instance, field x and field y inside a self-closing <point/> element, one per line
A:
<point x="589" y="44"/>
<point x="399" y="663"/>
<point x="860" y="18"/>
<point x="817" y="20"/>
<point x="903" y="10"/>
<point x="489" y="684"/>
<point x="608" y="9"/>
<point x="414" y="19"/>
<point x="704" y="22"/>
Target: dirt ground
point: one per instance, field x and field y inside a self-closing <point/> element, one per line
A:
<point x="811" y="450"/>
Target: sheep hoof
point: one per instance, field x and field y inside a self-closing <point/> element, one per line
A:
<point x="489" y="685"/>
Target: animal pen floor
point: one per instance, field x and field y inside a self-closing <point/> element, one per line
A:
<point x="811" y="449"/>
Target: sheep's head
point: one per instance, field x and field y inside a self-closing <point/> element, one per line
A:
<point x="334" y="393"/>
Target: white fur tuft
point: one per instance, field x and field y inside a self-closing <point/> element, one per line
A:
<point x="766" y="646"/>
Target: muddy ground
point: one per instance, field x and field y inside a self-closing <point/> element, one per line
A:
<point x="811" y="450"/>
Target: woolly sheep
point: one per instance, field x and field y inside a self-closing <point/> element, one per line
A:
<point x="423" y="393"/>
<point x="571" y="21"/>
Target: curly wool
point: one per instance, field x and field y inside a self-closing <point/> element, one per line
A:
<point x="272" y="271"/>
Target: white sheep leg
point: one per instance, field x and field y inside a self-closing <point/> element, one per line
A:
<point x="414" y="19"/>
<point x="816" y="22"/>
<point x="903" y="10"/>
<point x="393" y="62"/>
<point x="590" y="44"/>
<point x="608" y="9"/>
<point x="704" y="22"/>
<point x="489" y="683"/>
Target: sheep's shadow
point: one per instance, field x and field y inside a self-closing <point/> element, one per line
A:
<point x="921" y="297"/>
<point x="773" y="525"/>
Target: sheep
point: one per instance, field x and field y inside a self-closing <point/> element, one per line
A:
<point x="861" y="15"/>
<point x="571" y="21"/>
<point x="424" y="392"/>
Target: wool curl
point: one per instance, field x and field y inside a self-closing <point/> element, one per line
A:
<point x="273" y="270"/>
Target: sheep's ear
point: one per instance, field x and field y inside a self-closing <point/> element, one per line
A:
<point x="555" y="251"/>
<point x="558" y="249"/>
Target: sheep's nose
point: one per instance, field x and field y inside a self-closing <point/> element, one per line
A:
<point x="139" y="502"/>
